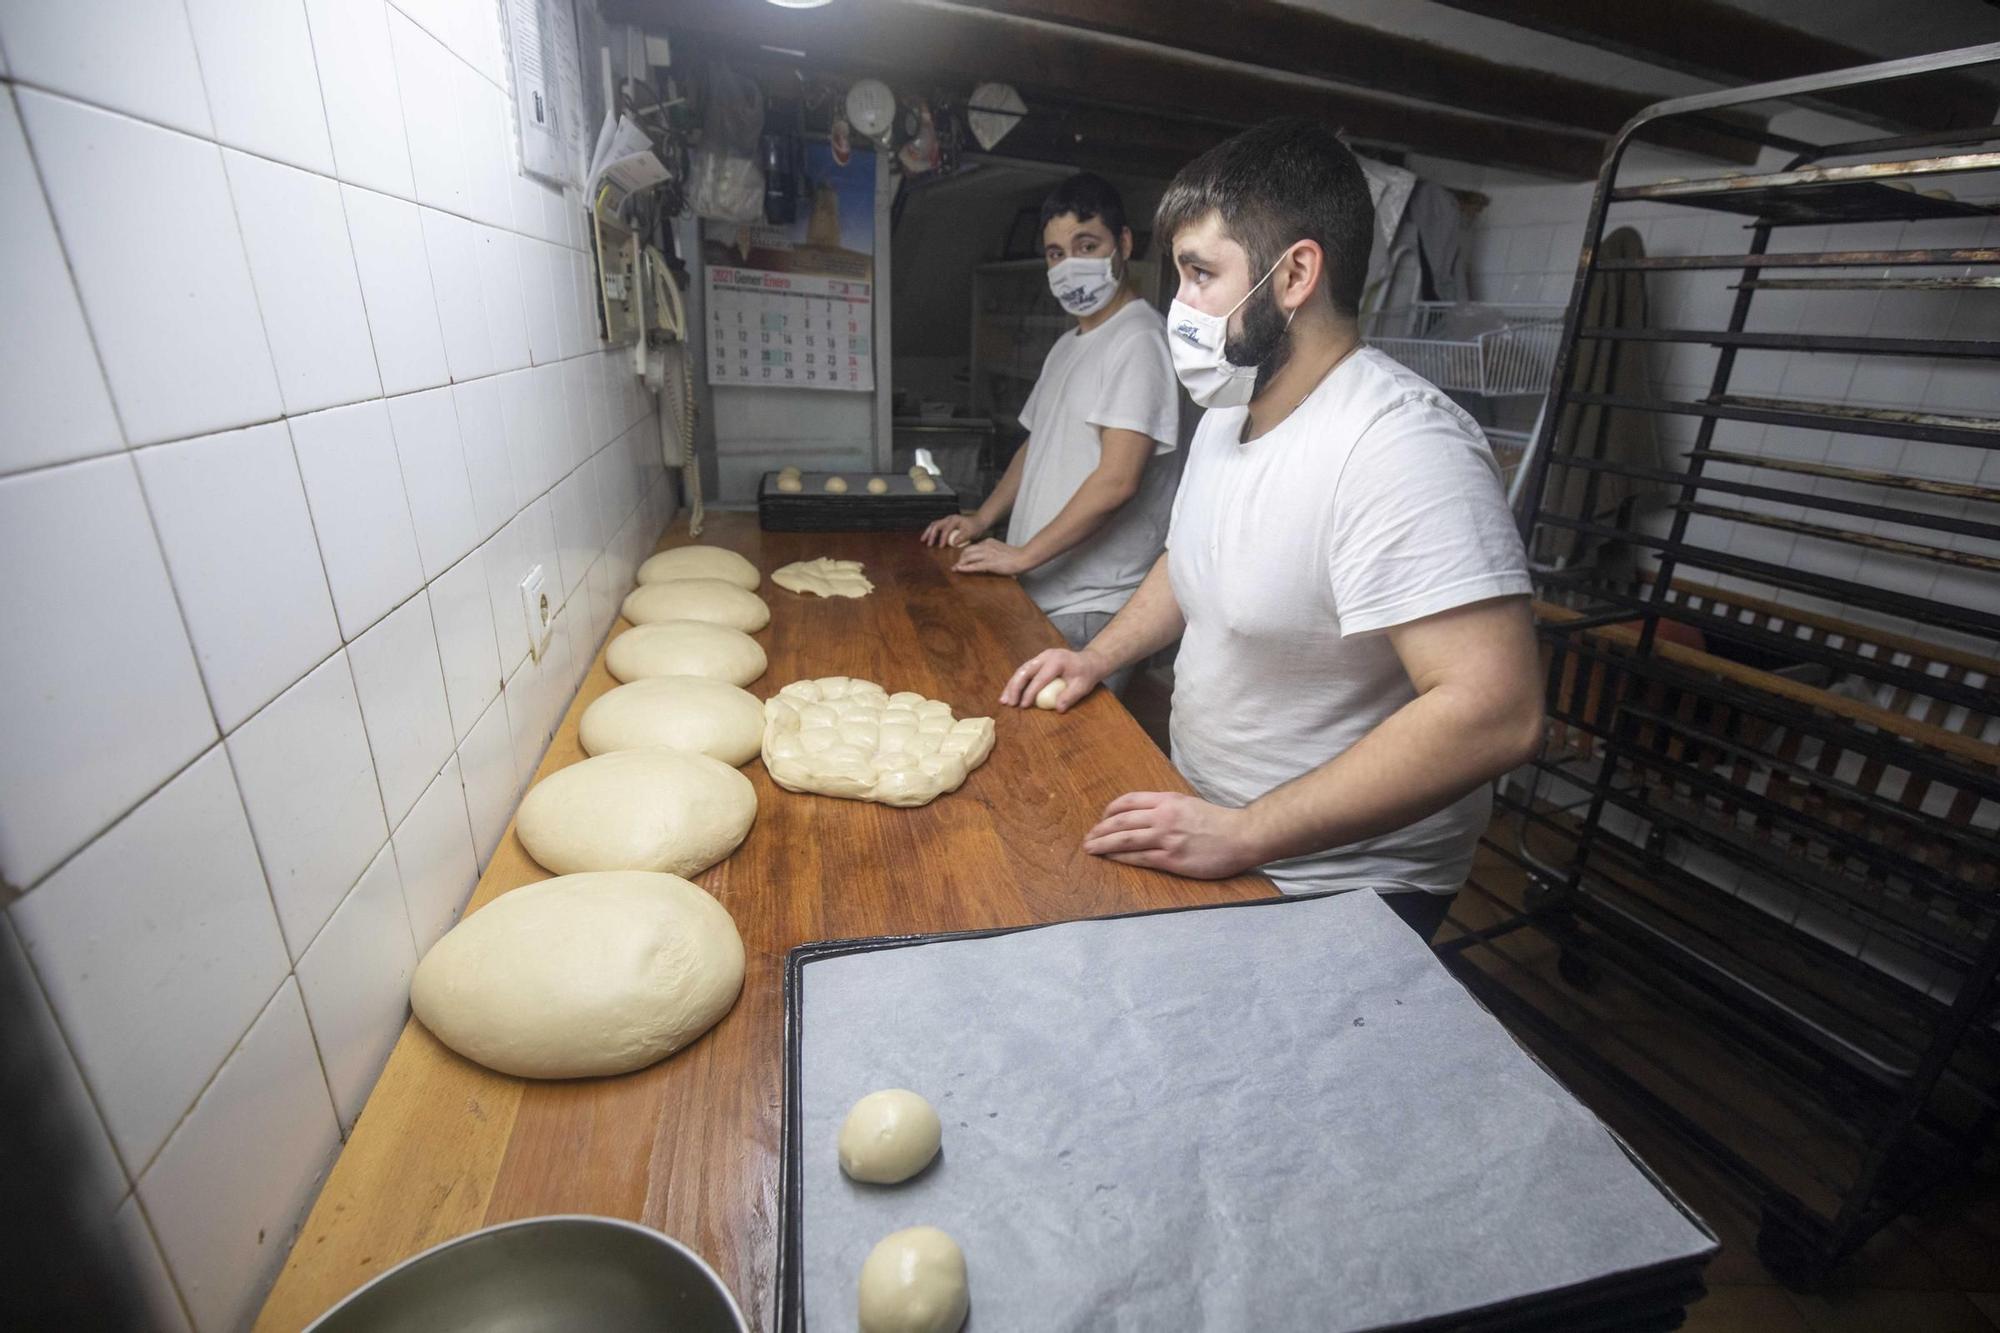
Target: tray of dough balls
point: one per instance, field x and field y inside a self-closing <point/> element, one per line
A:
<point x="793" y="501"/>
<point x="1275" y="1114"/>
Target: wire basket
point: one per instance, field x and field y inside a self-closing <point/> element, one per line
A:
<point x="1472" y="346"/>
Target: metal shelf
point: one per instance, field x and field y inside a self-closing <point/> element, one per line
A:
<point x="1779" y="820"/>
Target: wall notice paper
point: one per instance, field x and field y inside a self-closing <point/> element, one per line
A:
<point x="1273" y="1116"/>
<point x="793" y="307"/>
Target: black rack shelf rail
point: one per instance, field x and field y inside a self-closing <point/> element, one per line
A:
<point x="1775" y="822"/>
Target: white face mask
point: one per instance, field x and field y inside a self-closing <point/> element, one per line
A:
<point x="1083" y="286"/>
<point x="1196" y="339"/>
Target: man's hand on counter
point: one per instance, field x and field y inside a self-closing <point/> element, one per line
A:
<point x="993" y="557"/>
<point x="1079" y="673"/>
<point x="958" y="530"/>
<point x="1183" y="835"/>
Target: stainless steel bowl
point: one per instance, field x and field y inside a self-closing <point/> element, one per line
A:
<point x="541" y="1275"/>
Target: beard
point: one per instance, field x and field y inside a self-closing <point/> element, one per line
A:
<point x="1265" y="342"/>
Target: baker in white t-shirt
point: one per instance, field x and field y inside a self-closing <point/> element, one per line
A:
<point x="1357" y="656"/>
<point x="1087" y="495"/>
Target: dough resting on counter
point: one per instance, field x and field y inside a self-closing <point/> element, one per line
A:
<point x="877" y="486"/>
<point x="825" y="576"/>
<point x="690" y="713"/>
<point x="836" y="485"/>
<point x="700" y="562"/>
<point x="791" y="485"/>
<point x="889" y="1136"/>
<point x="651" y="809"/>
<point x="686" y="648"/>
<point x="582" y="975"/>
<point x="714" y="600"/>
<point x="842" y="737"/>
<point x="913" y="1281"/>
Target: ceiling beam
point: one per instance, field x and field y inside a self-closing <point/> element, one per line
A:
<point x="1303" y="41"/>
<point x="967" y="46"/>
<point x="1716" y="41"/>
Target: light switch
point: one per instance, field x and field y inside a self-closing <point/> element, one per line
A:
<point x="539" y="613"/>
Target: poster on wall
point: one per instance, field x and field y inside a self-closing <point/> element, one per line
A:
<point x="793" y="307"/>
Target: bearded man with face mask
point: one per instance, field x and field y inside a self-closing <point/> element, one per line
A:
<point x="1087" y="496"/>
<point x="1357" y="655"/>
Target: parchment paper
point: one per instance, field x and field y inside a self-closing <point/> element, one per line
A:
<point x="1254" y="1118"/>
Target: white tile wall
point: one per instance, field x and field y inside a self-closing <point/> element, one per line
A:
<point x="303" y="266"/>
<point x="271" y="468"/>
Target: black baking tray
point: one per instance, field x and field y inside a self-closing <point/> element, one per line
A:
<point x="1639" y="1301"/>
<point x="812" y="508"/>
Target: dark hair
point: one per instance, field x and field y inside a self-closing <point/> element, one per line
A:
<point x="1088" y="195"/>
<point x="1285" y="181"/>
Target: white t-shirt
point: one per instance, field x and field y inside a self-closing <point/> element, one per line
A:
<point x="1374" y="504"/>
<point x="1117" y="376"/>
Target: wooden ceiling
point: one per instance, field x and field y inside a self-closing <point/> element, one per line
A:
<point x="1140" y="86"/>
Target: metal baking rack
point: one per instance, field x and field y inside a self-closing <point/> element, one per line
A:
<point x="1762" y="807"/>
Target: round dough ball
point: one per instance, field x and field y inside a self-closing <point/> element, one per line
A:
<point x="958" y="538"/>
<point x="686" y="648"/>
<point x="925" y="485"/>
<point x="582" y="975"/>
<point x="913" y="1281"/>
<point x="790" y="470"/>
<point x="791" y="485"/>
<point x="836" y="485"/>
<point x="650" y="809"/>
<point x="877" y="486"/>
<point x="692" y="713"/>
<point x="713" y="600"/>
<point x="1048" y="694"/>
<point x="699" y="562"/>
<point x="917" y="470"/>
<point x="889" y="1136"/>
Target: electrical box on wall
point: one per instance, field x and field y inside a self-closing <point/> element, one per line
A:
<point x="540" y="616"/>
<point x="618" y="277"/>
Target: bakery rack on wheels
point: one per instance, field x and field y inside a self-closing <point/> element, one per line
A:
<point x="1768" y="807"/>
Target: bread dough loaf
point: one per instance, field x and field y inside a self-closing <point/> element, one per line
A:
<point x="877" y="486"/>
<point x="837" y="485"/>
<point x="686" y="648"/>
<point x="581" y="975"/>
<point x="913" y="1281"/>
<point x="1046" y="697"/>
<point x="650" y="809"/>
<point x="713" y="600"/>
<point x="889" y="1136"/>
<point x="690" y="713"/>
<point x="825" y="576"/>
<point x="843" y="737"/>
<point x="700" y="562"/>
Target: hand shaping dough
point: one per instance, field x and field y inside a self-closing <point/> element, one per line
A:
<point x="913" y="1281"/>
<point x="889" y="1136"/>
<point x="690" y="713"/>
<point x="581" y="975"/>
<point x="713" y="600"/>
<point x="651" y="809"/>
<point x="1049" y="693"/>
<point x="842" y="737"/>
<point x="686" y="648"/>
<point x="837" y="485"/>
<point x="825" y="576"/>
<point x="877" y="486"/>
<point x="791" y="485"/>
<point x="699" y="562"/>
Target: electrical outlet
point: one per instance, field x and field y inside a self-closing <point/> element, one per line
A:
<point x="540" y="615"/>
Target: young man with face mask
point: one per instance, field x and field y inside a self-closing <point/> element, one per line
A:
<point x="1088" y="494"/>
<point x="1357" y="656"/>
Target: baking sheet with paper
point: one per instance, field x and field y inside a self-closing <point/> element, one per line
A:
<point x="1250" y="1118"/>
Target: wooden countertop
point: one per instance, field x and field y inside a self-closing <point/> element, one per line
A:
<point x="690" y="1145"/>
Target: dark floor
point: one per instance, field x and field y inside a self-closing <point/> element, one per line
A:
<point x="1935" y="1271"/>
